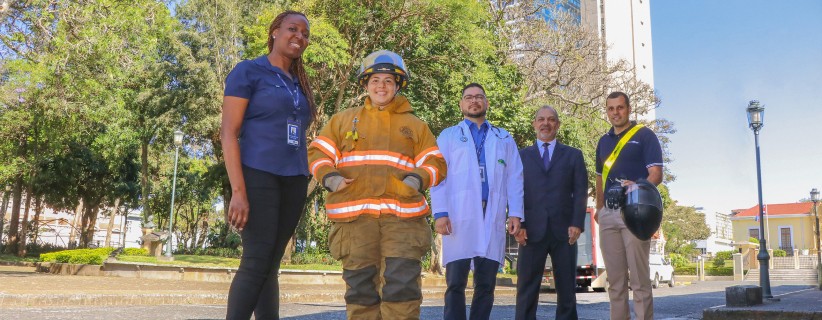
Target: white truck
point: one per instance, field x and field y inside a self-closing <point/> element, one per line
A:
<point x="591" y="267"/>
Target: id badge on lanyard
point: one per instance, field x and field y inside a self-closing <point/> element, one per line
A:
<point x="482" y="173"/>
<point x="293" y="126"/>
<point x="294" y="132"/>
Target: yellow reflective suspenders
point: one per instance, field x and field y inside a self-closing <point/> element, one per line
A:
<point x="614" y="154"/>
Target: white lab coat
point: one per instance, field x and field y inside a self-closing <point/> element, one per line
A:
<point x="460" y="194"/>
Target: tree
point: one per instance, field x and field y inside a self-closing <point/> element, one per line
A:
<point x="682" y="226"/>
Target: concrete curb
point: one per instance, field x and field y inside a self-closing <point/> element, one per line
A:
<point x="48" y="300"/>
<point x="718" y="314"/>
<point x="51" y="300"/>
<point x="18" y="263"/>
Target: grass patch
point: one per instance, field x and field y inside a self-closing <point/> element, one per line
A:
<point x="212" y="261"/>
<point x="196" y="260"/>
<point x="323" y="267"/>
<point x="14" y="258"/>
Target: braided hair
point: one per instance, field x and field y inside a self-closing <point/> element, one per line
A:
<point x="297" y="67"/>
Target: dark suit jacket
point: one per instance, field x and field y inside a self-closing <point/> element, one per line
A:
<point x="555" y="197"/>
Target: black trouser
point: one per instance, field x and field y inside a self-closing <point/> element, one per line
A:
<point x="530" y="270"/>
<point x="275" y="204"/>
<point x="485" y="280"/>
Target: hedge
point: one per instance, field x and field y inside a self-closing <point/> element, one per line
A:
<point x="78" y="256"/>
<point x="691" y="271"/>
<point x="135" y="252"/>
<point x="780" y="253"/>
<point x="724" y="255"/>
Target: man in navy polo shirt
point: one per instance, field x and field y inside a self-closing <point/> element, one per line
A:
<point x="640" y="158"/>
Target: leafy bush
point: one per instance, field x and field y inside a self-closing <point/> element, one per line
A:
<point x="88" y="258"/>
<point x="724" y="255"/>
<point x="38" y="248"/>
<point x="216" y="252"/>
<point x="678" y="261"/>
<point x="222" y="237"/>
<point x="135" y="252"/>
<point x="719" y="263"/>
<point x="753" y="240"/>
<point x="780" y="253"/>
<point x="691" y="271"/>
<point x="79" y="256"/>
<point x="313" y="258"/>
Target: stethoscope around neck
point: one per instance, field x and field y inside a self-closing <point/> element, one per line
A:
<point x="497" y="132"/>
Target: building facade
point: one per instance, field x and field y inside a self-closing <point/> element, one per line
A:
<point x="721" y="233"/>
<point x="789" y="226"/>
<point x="625" y="25"/>
<point x="55" y="228"/>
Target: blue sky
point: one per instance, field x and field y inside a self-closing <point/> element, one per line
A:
<point x="710" y="59"/>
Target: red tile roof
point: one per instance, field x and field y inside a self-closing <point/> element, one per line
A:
<point x="779" y="209"/>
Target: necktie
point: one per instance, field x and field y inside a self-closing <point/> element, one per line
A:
<point x="546" y="156"/>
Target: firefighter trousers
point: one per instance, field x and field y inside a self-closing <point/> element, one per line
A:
<point x="381" y="264"/>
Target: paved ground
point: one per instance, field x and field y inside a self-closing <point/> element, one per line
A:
<point x="683" y="302"/>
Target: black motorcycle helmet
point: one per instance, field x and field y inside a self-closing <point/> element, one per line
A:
<point x="640" y="205"/>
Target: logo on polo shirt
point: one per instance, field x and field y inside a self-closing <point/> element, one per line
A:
<point x="637" y="142"/>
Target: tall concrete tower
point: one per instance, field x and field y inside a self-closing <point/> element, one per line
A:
<point x="626" y="27"/>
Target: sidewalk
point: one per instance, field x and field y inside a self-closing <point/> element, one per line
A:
<point x="803" y="304"/>
<point x="22" y="286"/>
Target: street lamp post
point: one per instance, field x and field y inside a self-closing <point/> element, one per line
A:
<point x="815" y="199"/>
<point x="178" y="140"/>
<point x="3" y="214"/>
<point x="756" y="114"/>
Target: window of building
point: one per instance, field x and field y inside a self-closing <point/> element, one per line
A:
<point x="753" y="233"/>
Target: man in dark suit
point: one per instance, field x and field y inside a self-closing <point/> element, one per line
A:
<point x="556" y="193"/>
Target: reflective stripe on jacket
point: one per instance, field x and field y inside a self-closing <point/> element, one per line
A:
<point x="391" y="144"/>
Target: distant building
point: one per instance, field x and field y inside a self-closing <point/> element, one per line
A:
<point x="721" y="233"/>
<point x="625" y="25"/>
<point x="789" y="225"/>
<point x="55" y="227"/>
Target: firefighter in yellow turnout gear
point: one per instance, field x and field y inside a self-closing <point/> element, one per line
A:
<point x="376" y="160"/>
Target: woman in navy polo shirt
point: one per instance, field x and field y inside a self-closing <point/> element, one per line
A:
<point x="268" y="106"/>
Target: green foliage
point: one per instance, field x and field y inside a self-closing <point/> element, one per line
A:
<point x="780" y="253"/>
<point x="37" y="248"/>
<point x="682" y="226"/>
<point x="691" y="271"/>
<point x="753" y="240"/>
<point x="314" y="258"/>
<point x="222" y="237"/>
<point x="724" y="255"/>
<point x="678" y="260"/>
<point x="79" y="256"/>
<point x="718" y="263"/>
<point x="216" y="252"/>
<point x="135" y="252"/>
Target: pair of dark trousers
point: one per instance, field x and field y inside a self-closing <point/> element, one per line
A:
<point x="485" y="280"/>
<point x="530" y="270"/>
<point x="275" y="204"/>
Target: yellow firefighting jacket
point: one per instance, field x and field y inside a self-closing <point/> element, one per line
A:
<point x="378" y="149"/>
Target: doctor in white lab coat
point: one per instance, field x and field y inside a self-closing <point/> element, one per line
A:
<point x="484" y="178"/>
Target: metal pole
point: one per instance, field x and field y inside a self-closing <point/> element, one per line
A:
<point x="6" y="204"/>
<point x="173" y="191"/>
<point x="818" y="254"/>
<point x="763" y="256"/>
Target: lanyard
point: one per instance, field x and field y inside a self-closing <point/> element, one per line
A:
<point x="482" y="143"/>
<point x="294" y="96"/>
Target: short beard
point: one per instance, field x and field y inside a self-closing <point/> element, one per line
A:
<point x="479" y="114"/>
